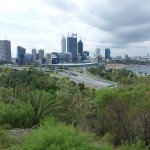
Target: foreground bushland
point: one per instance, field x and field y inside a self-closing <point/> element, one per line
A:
<point x="118" y="117"/>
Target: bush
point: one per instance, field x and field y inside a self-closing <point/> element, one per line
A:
<point x="57" y="136"/>
<point x="124" y="112"/>
<point x="5" y="139"/>
<point x="137" y="144"/>
<point x="17" y="115"/>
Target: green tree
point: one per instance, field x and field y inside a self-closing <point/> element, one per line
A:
<point x="44" y="104"/>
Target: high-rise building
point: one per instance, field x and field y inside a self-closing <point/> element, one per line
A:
<point x="48" y="58"/>
<point x="54" y="59"/>
<point x="21" y="51"/>
<point x="41" y="54"/>
<point x="28" y="58"/>
<point x="107" y="53"/>
<point x="34" y="58"/>
<point x="80" y="47"/>
<point x="97" y="54"/>
<point x="126" y="57"/>
<point x="57" y="56"/>
<point x="72" y="45"/>
<point x="62" y="57"/>
<point x="86" y="52"/>
<point x="63" y="44"/>
<point x="5" y="50"/>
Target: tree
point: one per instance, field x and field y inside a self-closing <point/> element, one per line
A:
<point x="43" y="103"/>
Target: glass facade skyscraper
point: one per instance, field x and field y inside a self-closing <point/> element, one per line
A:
<point x="21" y="51"/>
<point x="107" y="53"/>
<point x="80" y="47"/>
<point x="72" y="46"/>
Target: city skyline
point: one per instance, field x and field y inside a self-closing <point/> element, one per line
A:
<point x="121" y="26"/>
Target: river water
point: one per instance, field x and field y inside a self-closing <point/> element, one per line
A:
<point x="139" y="69"/>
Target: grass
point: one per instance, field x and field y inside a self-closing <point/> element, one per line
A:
<point x="6" y="140"/>
<point x="56" y="74"/>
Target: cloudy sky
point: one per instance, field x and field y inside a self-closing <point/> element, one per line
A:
<point x="121" y="25"/>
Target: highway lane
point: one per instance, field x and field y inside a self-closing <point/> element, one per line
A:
<point x="88" y="81"/>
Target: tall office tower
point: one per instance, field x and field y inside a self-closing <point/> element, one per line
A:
<point x="80" y="47"/>
<point x="72" y="45"/>
<point x="107" y="53"/>
<point x="63" y="44"/>
<point x="5" y="50"/>
<point x="34" y="55"/>
<point x="126" y="57"/>
<point x="21" y="51"/>
<point x="97" y="54"/>
<point x="28" y="58"/>
<point x="48" y="58"/>
<point x="41" y="54"/>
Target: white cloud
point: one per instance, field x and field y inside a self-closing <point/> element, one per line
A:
<point x="123" y="26"/>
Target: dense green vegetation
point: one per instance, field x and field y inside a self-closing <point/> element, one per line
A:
<point x="118" y="75"/>
<point x="130" y="62"/>
<point x="56" y="136"/>
<point x="117" y="118"/>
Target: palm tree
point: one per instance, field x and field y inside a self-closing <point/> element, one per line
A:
<point x="43" y="103"/>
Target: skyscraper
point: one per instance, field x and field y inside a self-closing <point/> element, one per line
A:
<point x="107" y="53"/>
<point x="57" y="56"/>
<point x="63" y="44"/>
<point x="5" y="50"/>
<point x="34" y="55"/>
<point x="41" y="54"/>
<point x="97" y="52"/>
<point x="21" y="51"/>
<point x="48" y="58"/>
<point x="80" y="47"/>
<point x="28" y="58"/>
<point x="72" y="45"/>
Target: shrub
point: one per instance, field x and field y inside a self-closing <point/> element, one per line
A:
<point x="43" y="103"/>
<point x="124" y="112"/>
<point x="57" y="136"/>
<point x="6" y="95"/>
<point x="17" y="115"/>
<point x="137" y="144"/>
<point x="5" y="139"/>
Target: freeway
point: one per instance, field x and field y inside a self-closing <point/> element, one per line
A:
<point x="82" y="78"/>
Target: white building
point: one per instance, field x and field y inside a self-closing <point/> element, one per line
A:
<point x="63" y="44"/>
<point x="97" y="52"/>
<point x="48" y="58"/>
